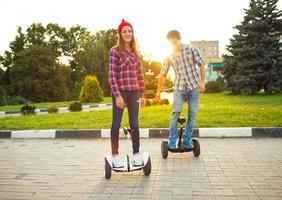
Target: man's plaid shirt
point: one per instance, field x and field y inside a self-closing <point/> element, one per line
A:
<point x="186" y="67"/>
<point x="125" y="72"/>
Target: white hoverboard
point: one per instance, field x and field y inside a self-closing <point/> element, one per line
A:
<point x="128" y="166"/>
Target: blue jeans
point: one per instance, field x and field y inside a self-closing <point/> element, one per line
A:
<point x="131" y="100"/>
<point x="180" y="96"/>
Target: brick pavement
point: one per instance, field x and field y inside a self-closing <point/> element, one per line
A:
<point x="60" y="169"/>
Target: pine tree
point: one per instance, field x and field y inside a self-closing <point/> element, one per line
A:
<point x="254" y="62"/>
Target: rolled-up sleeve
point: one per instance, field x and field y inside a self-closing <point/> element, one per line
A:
<point x="165" y="67"/>
<point x="198" y="58"/>
<point x="113" y="62"/>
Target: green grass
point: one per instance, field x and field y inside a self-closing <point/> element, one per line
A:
<point x="215" y="110"/>
<point x="47" y="104"/>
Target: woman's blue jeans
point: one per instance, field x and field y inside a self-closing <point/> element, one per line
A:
<point x="131" y="99"/>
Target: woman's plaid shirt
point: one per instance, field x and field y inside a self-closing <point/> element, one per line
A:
<point x="125" y="73"/>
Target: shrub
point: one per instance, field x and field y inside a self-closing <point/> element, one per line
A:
<point x="52" y="109"/>
<point x="75" y="106"/>
<point x="150" y="94"/>
<point x="148" y="102"/>
<point x="9" y="100"/>
<point x="28" y="109"/>
<point x="213" y="87"/>
<point x="165" y="101"/>
<point x="91" y="90"/>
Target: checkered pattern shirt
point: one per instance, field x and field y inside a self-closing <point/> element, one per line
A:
<point x="186" y="67"/>
<point x="125" y="73"/>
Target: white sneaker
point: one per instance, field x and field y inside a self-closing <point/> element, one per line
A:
<point x="117" y="161"/>
<point x="138" y="160"/>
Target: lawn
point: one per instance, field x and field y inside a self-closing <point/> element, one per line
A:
<point x="215" y="110"/>
<point x="47" y="104"/>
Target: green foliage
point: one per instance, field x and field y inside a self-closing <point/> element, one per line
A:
<point x="75" y="106"/>
<point x="87" y="53"/>
<point x="151" y="69"/>
<point x="52" y="109"/>
<point x="165" y="101"/>
<point x="38" y="77"/>
<point x="148" y="102"/>
<point x="93" y="57"/>
<point x="150" y="94"/>
<point x="91" y="90"/>
<point x="28" y="109"/>
<point x="9" y="100"/>
<point x="215" y="86"/>
<point x="254" y="61"/>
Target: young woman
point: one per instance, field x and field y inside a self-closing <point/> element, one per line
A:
<point x="127" y="85"/>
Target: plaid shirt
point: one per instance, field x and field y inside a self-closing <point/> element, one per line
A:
<point x="125" y="73"/>
<point x="186" y="67"/>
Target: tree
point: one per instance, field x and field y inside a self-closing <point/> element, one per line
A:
<point x="87" y="53"/>
<point x="151" y="69"/>
<point x="254" y="62"/>
<point x="92" y="58"/>
<point x="91" y="90"/>
<point x="38" y="77"/>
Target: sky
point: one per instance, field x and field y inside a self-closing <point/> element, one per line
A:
<point x="151" y="19"/>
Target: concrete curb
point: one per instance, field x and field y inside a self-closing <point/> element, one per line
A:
<point x="145" y="133"/>
<point x="62" y="109"/>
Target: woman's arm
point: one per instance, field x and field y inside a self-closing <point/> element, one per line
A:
<point x="113" y="64"/>
<point x="141" y="80"/>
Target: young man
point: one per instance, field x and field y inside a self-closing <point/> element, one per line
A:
<point x="186" y="62"/>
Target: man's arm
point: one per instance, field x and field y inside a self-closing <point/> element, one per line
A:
<point x="203" y="78"/>
<point x="161" y="83"/>
<point x="163" y="73"/>
<point x="200" y="62"/>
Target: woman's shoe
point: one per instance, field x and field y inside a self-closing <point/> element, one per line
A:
<point x="138" y="160"/>
<point x="117" y="163"/>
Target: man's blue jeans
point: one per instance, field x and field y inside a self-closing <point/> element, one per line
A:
<point x="131" y="99"/>
<point x="180" y="96"/>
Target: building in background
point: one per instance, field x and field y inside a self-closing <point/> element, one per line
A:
<point x="208" y="49"/>
<point x="210" y="53"/>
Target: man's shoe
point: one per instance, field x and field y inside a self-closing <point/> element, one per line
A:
<point x="172" y="144"/>
<point x="186" y="143"/>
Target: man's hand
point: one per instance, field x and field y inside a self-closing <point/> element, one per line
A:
<point x="201" y="86"/>
<point x="120" y="102"/>
<point x="143" y="101"/>
<point x="157" y="97"/>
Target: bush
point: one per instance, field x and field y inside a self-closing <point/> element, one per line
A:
<point x="91" y="90"/>
<point x="165" y="101"/>
<point x="150" y="94"/>
<point x="213" y="87"/>
<point x="28" y="109"/>
<point x="52" y="109"/>
<point x="9" y="100"/>
<point x="148" y="102"/>
<point x="75" y="106"/>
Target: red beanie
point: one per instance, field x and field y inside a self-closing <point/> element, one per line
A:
<point x="122" y="24"/>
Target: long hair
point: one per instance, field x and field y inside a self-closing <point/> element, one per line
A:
<point x="121" y="47"/>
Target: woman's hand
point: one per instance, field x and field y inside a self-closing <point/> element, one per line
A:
<point x="143" y="101"/>
<point x="120" y="102"/>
